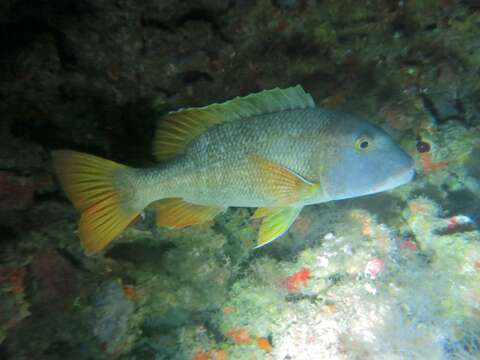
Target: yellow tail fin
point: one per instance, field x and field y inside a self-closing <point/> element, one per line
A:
<point x="89" y="183"/>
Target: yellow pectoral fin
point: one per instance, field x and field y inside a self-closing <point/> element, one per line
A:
<point x="276" y="223"/>
<point x="282" y="184"/>
<point x="178" y="213"/>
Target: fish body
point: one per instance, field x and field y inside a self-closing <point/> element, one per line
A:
<point x="220" y="169"/>
<point x="273" y="150"/>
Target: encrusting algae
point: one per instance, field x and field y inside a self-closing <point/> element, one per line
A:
<point x="273" y="150"/>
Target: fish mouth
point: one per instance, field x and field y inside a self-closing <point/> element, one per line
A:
<point x="401" y="178"/>
<point x="409" y="176"/>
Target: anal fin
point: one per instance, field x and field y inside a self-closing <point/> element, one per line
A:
<point x="276" y="222"/>
<point x="178" y="213"/>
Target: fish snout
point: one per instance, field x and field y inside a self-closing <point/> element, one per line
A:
<point x="407" y="173"/>
<point x="402" y="176"/>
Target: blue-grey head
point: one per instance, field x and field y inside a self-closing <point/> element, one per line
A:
<point x="364" y="159"/>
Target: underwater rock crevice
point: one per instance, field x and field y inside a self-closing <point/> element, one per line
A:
<point x="28" y="20"/>
<point x="66" y="54"/>
<point x="191" y="77"/>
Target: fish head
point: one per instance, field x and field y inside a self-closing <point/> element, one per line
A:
<point x="363" y="159"/>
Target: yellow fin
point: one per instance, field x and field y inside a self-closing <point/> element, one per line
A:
<point x="262" y="212"/>
<point x="88" y="182"/>
<point x="177" y="213"/>
<point x="179" y="128"/>
<point x="284" y="185"/>
<point x="276" y="223"/>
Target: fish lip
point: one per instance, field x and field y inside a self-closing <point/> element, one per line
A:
<point x="405" y="176"/>
<point x="409" y="175"/>
<point x="400" y="178"/>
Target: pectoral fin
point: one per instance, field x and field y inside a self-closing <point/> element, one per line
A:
<point x="262" y="212"/>
<point x="178" y="213"/>
<point x="284" y="185"/>
<point x="276" y="222"/>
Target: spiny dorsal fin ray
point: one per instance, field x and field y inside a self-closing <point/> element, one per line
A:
<point x="179" y="128"/>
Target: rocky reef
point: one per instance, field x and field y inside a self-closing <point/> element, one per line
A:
<point x="389" y="276"/>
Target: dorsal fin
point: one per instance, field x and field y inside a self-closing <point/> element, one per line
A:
<point x="179" y="128"/>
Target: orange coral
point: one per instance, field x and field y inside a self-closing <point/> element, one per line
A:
<point x="264" y="344"/>
<point x="429" y="165"/>
<point x="293" y="282"/>
<point x="210" y="355"/>
<point x="201" y="355"/>
<point x="227" y="310"/>
<point x="239" y="336"/>
<point x="130" y="292"/>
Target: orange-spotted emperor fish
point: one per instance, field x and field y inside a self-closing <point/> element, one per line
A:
<point x="273" y="150"/>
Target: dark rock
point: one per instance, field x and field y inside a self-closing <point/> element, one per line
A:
<point x="12" y="297"/>
<point x="54" y="282"/>
<point x="16" y="191"/>
<point x="114" y="326"/>
<point x="19" y="155"/>
<point x="290" y="4"/>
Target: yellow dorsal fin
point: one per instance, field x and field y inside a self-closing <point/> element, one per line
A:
<point x="178" y="213"/>
<point x="276" y="223"/>
<point x="179" y="128"/>
<point x="284" y="186"/>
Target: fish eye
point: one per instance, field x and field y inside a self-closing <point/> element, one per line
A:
<point x="363" y="143"/>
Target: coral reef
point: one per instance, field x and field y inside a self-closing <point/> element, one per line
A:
<point x="369" y="294"/>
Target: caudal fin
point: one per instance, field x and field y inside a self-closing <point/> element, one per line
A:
<point x="89" y="183"/>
